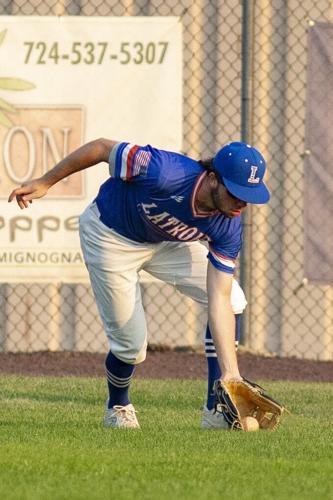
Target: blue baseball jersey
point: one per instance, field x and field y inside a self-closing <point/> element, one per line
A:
<point x="150" y="197"/>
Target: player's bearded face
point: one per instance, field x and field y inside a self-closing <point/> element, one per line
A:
<point x="225" y="202"/>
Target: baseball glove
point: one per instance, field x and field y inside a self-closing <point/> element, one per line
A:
<point x="236" y="399"/>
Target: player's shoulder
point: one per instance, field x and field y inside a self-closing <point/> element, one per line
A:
<point x="160" y="168"/>
<point x="177" y="171"/>
<point x="171" y="166"/>
<point x="174" y="157"/>
<point x="173" y="163"/>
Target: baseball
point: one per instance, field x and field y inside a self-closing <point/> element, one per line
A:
<point x="250" y="424"/>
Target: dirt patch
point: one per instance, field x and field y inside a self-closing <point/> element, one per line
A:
<point x="164" y="365"/>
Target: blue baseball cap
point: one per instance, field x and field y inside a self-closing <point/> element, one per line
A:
<point x="242" y="168"/>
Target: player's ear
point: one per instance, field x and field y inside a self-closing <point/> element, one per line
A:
<point x="213" y="180"/>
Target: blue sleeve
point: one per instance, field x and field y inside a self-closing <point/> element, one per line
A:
<point x="223" y="250"/>
<point x="157" y="169"/>
<point x="127" y="161"/>
<point x="133" y="163"/>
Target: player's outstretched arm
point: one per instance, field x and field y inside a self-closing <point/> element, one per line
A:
<point x="86" y="156"/>
<point x="222" y="321"/>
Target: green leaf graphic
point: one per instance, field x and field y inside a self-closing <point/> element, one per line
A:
<point x="15" y="84"/>
<point x="10" y="84"/>
<point x="2" y="36"/>
<point x="7" y="106"/>
<point x="4" y="120"/>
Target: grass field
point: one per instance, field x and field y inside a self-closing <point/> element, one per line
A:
<point x="52" y="444"/>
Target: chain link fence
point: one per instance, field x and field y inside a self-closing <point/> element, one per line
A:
<point x="283" y="317"/>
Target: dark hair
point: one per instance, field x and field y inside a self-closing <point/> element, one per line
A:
<point x="208" y="165"/>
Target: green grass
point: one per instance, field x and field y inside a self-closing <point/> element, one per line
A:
<point x="52" y="445"/>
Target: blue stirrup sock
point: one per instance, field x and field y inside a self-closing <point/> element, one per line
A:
<point x="238" y="319"/>
<point x="119" y="375"/>
<point x="214" y="371"/>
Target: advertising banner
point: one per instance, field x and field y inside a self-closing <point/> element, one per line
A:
<point x="65" y="81"/>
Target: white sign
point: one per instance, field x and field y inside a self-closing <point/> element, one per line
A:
<point x="65" y="81"/>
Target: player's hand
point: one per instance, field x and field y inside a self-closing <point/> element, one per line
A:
<point x="29" y="191"/>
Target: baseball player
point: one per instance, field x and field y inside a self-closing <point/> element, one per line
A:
<point x="153" y="213"/>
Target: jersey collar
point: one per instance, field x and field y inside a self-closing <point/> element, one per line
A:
<point x="197" y="185"/>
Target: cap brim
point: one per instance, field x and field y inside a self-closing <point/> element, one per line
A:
<point x="257" y="195"/>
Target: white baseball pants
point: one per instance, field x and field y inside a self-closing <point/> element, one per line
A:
<point x="113" y="263"/>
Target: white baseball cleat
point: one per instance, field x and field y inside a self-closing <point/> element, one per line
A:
<point x="212" y="419"/>
<point x="121" y="417"/>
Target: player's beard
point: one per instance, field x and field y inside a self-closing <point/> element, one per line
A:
<point x="223" y="205"/>
<point x="218" y="202"/>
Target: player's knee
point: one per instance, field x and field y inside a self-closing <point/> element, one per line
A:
<point x="141" y="356"/>
<point x="132" y="351"/>
<point x="129" y="356"/>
